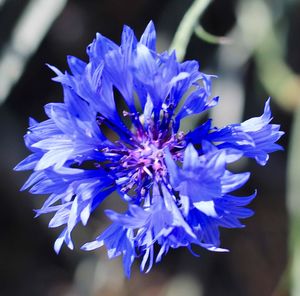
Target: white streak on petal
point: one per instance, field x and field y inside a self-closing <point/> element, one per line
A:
<point x="206" y="207"/>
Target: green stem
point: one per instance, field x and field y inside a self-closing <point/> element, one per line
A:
<point x="210" y="38"/>
<point x="294" y="205"/>
<point x="187" y="26"/>
<point x="276" y="76"/>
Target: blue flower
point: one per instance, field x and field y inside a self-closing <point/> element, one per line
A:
<point x="177" y="186"/>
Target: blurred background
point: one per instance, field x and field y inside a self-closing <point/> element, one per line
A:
<point x="253" y="47"/>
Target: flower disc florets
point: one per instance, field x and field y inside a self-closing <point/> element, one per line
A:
<point x="143" y="161"/>
<point x="177" y="185"/>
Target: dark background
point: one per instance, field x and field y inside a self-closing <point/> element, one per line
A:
<point x="258" y="257"/>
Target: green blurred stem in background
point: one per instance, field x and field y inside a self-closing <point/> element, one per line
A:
<point x="276" y="76"/>
<point x="293" y="187"/>
<point x="210" y="38"/>
<point x="187" y="26"/>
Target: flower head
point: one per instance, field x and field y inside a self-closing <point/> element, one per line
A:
<point x="177" y="185"/>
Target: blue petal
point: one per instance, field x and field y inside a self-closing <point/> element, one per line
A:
<point x="99" y="48"/>
<point x="149" y="37"/>
<point x="76" y="65"/>
<point x="118" y="240"/>
<point x="191" y="158"/>
<point x="28" y="163"/>
<point x="254" y="137"/>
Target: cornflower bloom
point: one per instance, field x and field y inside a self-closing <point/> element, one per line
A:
<point x="176" y="184"/>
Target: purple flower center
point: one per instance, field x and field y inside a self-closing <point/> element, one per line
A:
<point x="142" y="163"/>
